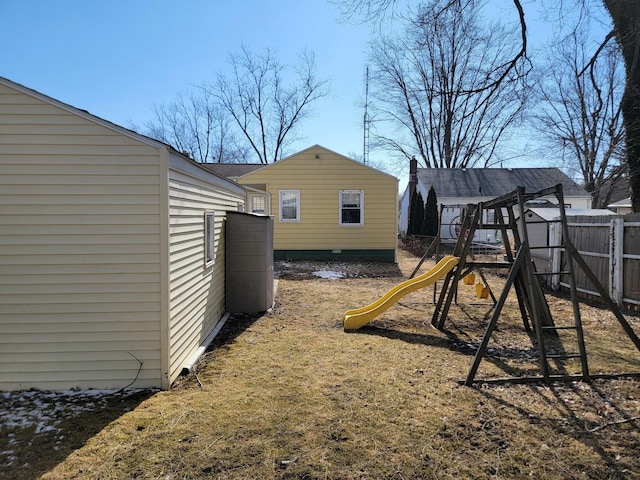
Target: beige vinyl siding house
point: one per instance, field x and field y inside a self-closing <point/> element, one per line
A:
<point x="196" y="286"/>
<point x="103" y="278"/>
<point x="327" y="206"/>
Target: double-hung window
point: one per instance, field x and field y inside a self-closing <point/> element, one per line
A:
<point x="289" y="205"/>
<point x="351" y="207"/>
<point x="209" y="238"/>
<point x="258" y="203"/>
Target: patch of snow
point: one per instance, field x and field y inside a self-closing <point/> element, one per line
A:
<point x="43" y="411"/>
<point x="328" y="274"/>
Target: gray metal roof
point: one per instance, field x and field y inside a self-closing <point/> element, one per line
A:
<point x="493" y="182"/>
<point x="554" y="213"/>
<point x="625" y="202"/>
<point x="232" y="170"/>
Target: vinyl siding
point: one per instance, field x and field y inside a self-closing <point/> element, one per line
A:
<point x="197" y="292"/>
<point x="320" y="181"/>
<point x="79" y="250"/>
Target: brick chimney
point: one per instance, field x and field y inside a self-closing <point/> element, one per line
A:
<point x="413" y="176"/>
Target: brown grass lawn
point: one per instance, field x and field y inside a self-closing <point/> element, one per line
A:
<point x="290" y="395"/>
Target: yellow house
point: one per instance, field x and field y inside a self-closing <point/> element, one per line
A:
<point x="324" y="206"/>
<point x="112" y="250"/>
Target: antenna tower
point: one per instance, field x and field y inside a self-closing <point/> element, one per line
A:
<point x="366" y="120"/>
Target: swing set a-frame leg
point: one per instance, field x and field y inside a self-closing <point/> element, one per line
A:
<point x="603" y="294"/>
<point x="462" y="249"/>
<point x="511" y="278"/>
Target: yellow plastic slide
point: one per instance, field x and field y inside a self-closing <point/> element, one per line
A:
<point x="356" y="318"/>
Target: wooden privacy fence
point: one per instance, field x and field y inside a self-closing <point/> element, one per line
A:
<point x="611" y="248"/>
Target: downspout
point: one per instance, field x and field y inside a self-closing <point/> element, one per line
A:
<point x="202" y="348"/>
<point x="261" y="192"/>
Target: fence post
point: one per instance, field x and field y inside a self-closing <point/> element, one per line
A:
<point x="616" y="251"/>
<point x="555" y="239"/>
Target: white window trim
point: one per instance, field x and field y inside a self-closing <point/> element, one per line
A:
<point x="361" y="224"/>
<point x="252" y="197"/>
<point x="209" y="238"/>
<point x="297" y="194"/>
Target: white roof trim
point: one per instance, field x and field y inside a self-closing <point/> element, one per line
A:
<point x="188" y="167"/>
<point x="326" y="150"/>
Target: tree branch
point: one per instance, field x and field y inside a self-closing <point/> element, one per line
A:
<point x="594" y="57"/>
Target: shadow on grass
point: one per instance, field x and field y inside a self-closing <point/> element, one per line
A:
<point x="38" y="430"/>
<point x="567" y="404"/>
<point x="502" y="357"/>
<point x="235" y="326"/>
<point x="409" y="337"/>
<point x="232" y="329"/>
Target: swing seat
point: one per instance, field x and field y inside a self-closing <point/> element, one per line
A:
<point x="469" y="279"/>
<point x="482" y="291"/>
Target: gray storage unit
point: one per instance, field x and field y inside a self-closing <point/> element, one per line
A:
<point x="249" y="263"/>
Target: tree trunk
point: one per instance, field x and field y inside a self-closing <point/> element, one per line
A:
<point x="626" y="21"/>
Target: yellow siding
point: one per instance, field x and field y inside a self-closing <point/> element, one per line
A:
<point x="197" y="292"/>
<point x="319" y="181"/>
<point x="79" y="250"/>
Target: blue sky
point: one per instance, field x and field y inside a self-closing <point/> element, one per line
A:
<point x="118" y="58"/>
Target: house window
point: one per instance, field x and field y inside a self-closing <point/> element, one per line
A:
<point x="352" y="207"/>
<point x="491" y="215"/>
<point x="289" y="205"/>
<point x="257" y="203"/>
<point x="209" y="238"/>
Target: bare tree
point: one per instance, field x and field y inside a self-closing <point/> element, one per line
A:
<point x="195" y="125"/>
<point x="252" y="113"/>
<point x="625" y="15"/>
<point x="368" y="10"/>
<point x="580" y="112"/>
<point x="264" y="108"/>
<point x="448" y="86"/>
<point x="626" y="21"/>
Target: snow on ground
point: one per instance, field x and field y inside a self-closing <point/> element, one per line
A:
<point x="44" y="412"/>
<point x="328" y="274"/>
<point x="333" y="270"/>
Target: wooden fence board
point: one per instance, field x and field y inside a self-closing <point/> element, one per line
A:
<point x="632" y="240"/>
<point x="595" y="238"/>
<point x="631" y="287"/>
